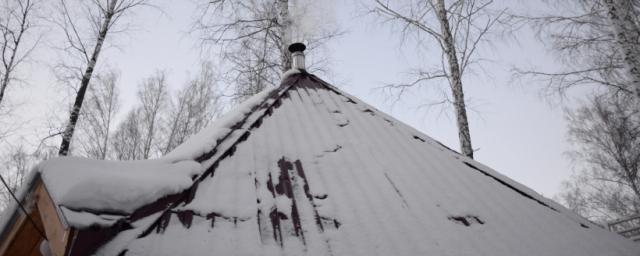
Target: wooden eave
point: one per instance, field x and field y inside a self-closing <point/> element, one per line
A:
<point x="22" y="236"/>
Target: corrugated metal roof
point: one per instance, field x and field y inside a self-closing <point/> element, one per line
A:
<point x="315" y="171"/>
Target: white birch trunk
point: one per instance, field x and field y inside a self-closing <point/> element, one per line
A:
<point x="455" y="80"/>
<point x="86" y="78"/>
<point x="284" y="20"/>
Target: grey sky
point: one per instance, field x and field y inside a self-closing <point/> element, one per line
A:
<point x="517" y="132"/>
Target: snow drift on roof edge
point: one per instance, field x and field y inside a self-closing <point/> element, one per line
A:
<point x="113" y="186"/>
<point x="82" y="187"/>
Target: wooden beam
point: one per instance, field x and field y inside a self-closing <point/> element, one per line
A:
<point x="55" y="228"/>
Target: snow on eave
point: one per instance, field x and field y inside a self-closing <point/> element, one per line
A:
<point x="113" y="186"/>
<point x="85" y="187"/>
<point x="82" y="219"/>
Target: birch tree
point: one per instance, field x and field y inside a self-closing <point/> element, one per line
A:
<point x="455" y="29"/>
<point x="127" y="139"/>
<point x="153" y="98"/>
<point x="138" y="136"/>
<point x="16" y="20"/>
<point x="84" y="42"/>
<point x="598" y="42"/>
<point x="98" y="115"/>
<point x="194" y="107"/>
<point x="624" y="18"/>
<point x="16" y="162"/>
<point x="15" y="167"/>
<point x="606" y="134"/>
<point x="253" y="37"/>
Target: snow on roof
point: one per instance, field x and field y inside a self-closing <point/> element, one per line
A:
<point x="312" y="170"/>
<point x="98" y="193"/>
<point x="306" y="169"/>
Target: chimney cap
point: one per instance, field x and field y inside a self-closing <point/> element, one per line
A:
<point x="297" y="47"/>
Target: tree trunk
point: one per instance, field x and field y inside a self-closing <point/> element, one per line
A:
<point x="284" y="20"/>
<point x="84" y="83"/>
<point x="107" y="123"/>
<point x="105" y="140"/>
<point x="627" y="34"/>
<point x="3" y="85"/>
<point x="174" y="127"/>
<point x="455" y="80"/>
<point x="146" y="150"/>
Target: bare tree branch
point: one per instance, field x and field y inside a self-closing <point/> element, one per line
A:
<point x="253" y="37"/>
<point x="16" y="20"/>
<point x="598" y="41"/>
<point x="606" y="135"/>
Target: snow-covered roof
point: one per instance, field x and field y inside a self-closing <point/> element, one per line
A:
<point x="305" y="169"/>
<point x="114" y="187"/>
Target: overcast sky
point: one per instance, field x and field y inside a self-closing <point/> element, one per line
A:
<point x="515" y="131"/>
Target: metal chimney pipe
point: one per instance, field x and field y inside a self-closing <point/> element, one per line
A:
<point x="297" y="55"/>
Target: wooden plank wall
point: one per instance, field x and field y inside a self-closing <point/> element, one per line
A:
<point x="24" y="238"/>
<point x="55" y="229"/>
